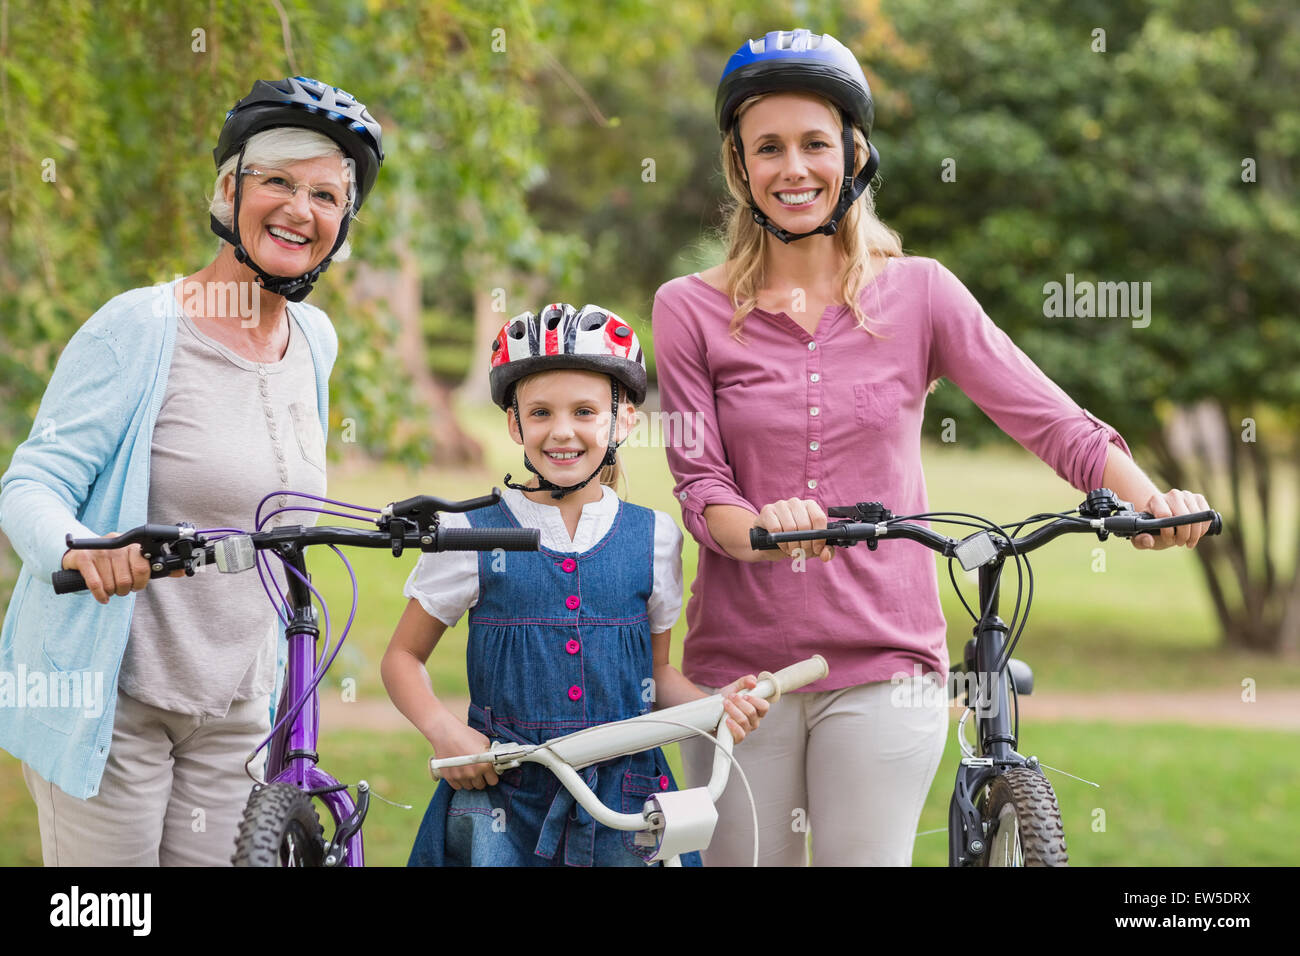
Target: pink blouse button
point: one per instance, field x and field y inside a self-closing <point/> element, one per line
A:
<point x="575" y="692"/>
<point x="572" y="602"/>
<point x="569" y="565"/>
<point x="663" y="782"/>
<point x="572" y="646"/>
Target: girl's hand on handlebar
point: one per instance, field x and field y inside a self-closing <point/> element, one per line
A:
<point x="1170" y="505"/>
<point x="743" y="713"/>
<point x="797" y="514"/>
<point x="457" y="740"/>
<point x="115" y="572"/>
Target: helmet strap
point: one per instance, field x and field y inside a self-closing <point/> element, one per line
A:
<point x="293" y="288"/>
<point x="850" y="188"/>
<point x="559" y="491"/>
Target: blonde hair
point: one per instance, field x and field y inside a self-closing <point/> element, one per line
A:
<point x="860" y="233"/>
<point x="277" y="148"/>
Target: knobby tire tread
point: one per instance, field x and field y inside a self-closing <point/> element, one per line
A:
<point x="1042" y="834"/>
<point x="272" y="812"/>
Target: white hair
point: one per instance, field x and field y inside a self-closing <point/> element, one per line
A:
<point x="277" y="148"/>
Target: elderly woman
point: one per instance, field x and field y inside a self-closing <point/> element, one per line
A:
<point x="188" y="401"/>
<point x="806" y="359"/>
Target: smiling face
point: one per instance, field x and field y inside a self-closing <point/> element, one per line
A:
<point x="565" y="416"/>
<point x="289" y="235"/>
<point x="794" y="157"/>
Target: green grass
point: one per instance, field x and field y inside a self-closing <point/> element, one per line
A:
<point x="1171" y="795"/>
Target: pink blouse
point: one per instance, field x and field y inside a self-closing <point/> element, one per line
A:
<point x="835" y="416"/>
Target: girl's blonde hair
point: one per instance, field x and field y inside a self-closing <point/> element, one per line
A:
<point x="860" y="233"/>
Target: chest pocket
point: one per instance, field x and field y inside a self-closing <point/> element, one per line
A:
<point x="878" y="406"/>
<point x="311" y="441"/>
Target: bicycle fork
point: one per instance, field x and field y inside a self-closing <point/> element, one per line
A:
<point x="995" y="747"/>
<point x="292" y="756"/>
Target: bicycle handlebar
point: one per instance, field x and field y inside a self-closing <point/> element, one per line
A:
<point x="848" y="533"/>
<point x="566" y="755"/>
<point x="619" y="738"/>
<point x="411" y="523"/>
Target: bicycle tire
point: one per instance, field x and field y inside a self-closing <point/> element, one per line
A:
<point x="280" y="827"/>
<point x="1023" y="820"/>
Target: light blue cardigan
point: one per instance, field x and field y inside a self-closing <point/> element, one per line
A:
<point x="84" y="470"/>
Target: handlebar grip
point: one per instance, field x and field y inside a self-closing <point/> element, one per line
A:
<point x="793" y="677"/>
<point x="1128" y="524"/>
<point x="488" y="539"/>
<point x="68" y="582"/>
<point x="760" y="539"/>
<point x="71" y="581"/>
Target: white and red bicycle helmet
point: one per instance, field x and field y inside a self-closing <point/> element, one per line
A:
<point x="561" y="337"/>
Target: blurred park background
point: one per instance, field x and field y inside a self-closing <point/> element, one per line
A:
<point x="567" y="150"/>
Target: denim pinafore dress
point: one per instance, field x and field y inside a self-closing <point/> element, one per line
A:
<point x="557" y="642"/>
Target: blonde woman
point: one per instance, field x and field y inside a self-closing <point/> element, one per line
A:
<point x="804" y="360"/>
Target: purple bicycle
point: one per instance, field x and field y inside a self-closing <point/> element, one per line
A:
<point x="281" y="826"/>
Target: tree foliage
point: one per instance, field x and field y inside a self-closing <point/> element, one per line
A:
<point x="565" y="150"/>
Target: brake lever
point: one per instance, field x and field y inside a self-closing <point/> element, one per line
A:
<point x="156" y="545"/>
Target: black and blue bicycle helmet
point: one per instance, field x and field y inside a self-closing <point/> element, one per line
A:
<point x="798" y="60"/>
<point x="309" y="104"/>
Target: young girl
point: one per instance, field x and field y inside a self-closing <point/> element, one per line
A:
<point x="573" y="635"/>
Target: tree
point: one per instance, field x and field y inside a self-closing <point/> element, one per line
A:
<point x="1153" y="146"/>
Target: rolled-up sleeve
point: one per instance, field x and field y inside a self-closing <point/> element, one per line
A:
<point x="703" y="474"/>
<point x="968" y="349"/>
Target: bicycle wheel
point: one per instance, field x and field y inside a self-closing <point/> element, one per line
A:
<point x="280" y="828"/>
<point x="1023" y="822"/>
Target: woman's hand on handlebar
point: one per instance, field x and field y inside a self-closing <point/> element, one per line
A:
<point x="1170" y="505"/>
<point x="797" y="514"/>
<point x="456" y="739"/>
<point x="743" y="713"/>
<point x="115" y="572"/>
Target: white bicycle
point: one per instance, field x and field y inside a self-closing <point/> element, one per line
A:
<point x="674" y="822"/>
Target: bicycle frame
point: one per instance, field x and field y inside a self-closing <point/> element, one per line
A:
<point x="291" y="755"/>
<point x="996" y="741"/>
<point x="1101" y="513"/>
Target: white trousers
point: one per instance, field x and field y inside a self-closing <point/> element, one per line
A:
<point x="172" y="793"/>
<point x="851" y="766"/>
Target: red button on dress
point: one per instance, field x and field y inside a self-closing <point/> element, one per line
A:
<point x="663" y="782"/>
<point x="575" y="692"/>
<point x="572" y="602"/>
<point x="572" y="646"/>
<point x="569" y="565"/>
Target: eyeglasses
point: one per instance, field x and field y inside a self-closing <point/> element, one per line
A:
<point x="325" y="199"/>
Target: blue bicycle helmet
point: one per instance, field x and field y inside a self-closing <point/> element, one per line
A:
<point x="798" y="60"/>
<point x="310" y="104"/>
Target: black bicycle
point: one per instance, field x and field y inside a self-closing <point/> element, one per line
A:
<point x="280" y="825"/>
<point x="1003" y="810"/>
